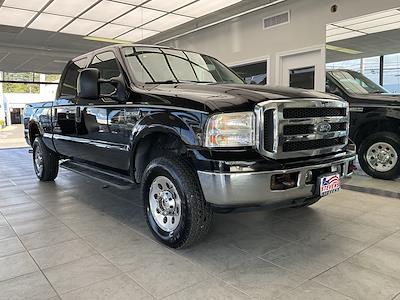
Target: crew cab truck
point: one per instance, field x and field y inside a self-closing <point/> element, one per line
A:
<point x="192" y="134"/>
<point x="375" y="121"/>
<point x="29" y="110"/>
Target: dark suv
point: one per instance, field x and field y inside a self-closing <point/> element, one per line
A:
<point x="375" y="121"/>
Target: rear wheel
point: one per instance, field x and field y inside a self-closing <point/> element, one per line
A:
<point x="45" y="161"/>
<point x="175" y="209"/>
<point x="379" y="155"/>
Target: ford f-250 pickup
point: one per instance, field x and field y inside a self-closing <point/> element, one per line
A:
<point x="192" y="134"/>
<point x="374" y="121"/>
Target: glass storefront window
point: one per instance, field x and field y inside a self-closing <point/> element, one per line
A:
<point x="369" y="67"/>
<point x="302" y="78"/>
<point x="354" y="65"/>
<point x="391" y="73"/>
<point x="255" y="73"/>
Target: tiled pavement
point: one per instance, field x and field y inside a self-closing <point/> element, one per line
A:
<point x="76" y="239"/>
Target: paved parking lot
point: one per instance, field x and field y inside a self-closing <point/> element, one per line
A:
<point x="12" y="136"/>
<point x="76" y="239"/>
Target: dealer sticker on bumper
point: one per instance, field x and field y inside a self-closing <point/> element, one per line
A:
<point x="329" y="184"/>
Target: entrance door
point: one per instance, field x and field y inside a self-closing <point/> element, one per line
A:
<point x="303" y="69"/>
<point x="15" y="115"/>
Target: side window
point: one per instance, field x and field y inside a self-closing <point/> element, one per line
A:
<point x="71" y="72"/>
<point x="107" y="64"/>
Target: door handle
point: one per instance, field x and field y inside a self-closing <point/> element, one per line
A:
<point x="78" y="114"/>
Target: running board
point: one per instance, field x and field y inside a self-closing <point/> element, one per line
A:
<point x="109" y="178"/>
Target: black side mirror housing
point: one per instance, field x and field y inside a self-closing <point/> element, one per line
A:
<point x="120" y="92"/>
<point x="88" y="85"/>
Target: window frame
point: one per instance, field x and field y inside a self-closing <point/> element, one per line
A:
<point x="64" y="73"/>
<point x="94" y="54"/>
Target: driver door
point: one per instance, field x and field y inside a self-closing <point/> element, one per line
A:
<point x="101" y="124"/>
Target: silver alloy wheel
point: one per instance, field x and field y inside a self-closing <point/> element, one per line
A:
<point x="382" y="157"/>
<point x="39" y="161"/>
<point x="165" y="203"/>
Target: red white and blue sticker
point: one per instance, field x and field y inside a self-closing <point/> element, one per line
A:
<point x="329" y="184"/>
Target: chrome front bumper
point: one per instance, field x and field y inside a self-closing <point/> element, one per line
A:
<point x="254" y="188"/>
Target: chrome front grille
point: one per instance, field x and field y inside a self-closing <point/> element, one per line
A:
<point x="302" y="127"/>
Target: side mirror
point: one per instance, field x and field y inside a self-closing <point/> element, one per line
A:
<point x="88" y="86"/>
<point x="118" y="85"/>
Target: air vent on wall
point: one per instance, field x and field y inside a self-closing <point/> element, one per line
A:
<point x="276" y="20"/>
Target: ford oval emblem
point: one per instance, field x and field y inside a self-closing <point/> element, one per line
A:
<point x="322" y="127"/>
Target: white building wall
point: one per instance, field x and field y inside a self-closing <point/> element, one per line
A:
<point x="2" y="108"/>
<point x="243" y="38"/>
<point x="47" y="93"/>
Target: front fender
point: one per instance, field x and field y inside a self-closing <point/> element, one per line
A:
<point x="34" y="122"/>
<point x="186" y="126"/>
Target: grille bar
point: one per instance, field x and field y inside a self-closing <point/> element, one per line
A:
<point x="313" y="144"/>
<point x="310" y="128"/>
<point x="299" y="113"/>
<point x="269" y="129"/>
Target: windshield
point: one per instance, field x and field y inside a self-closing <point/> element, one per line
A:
<point x="157" y="65"/>
<point x="356" y="83"/>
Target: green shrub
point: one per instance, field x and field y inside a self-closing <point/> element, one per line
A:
<point x="2" y="123"/>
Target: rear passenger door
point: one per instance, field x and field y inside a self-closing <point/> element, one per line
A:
<point x="101" y="126"/>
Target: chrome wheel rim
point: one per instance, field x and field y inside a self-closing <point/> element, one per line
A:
<point x="39" y="160"/>
<point x="382" y="157"/>
<point x="165" y="203"/>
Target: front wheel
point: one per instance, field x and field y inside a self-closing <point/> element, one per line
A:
<point x="175" y="209"/>
<point x="45" y="161"/>
<point x="379" y="155"/>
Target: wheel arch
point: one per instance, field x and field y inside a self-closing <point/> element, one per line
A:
<point x="375" y="126"/>
<point x="162" y="134"/>
<point x="34" y="130"/>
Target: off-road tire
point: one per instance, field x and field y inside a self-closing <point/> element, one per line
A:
<point x="196" y="213"/>
<point x="50" y="161"/>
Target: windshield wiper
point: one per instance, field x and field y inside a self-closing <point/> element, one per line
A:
<point x="180" y="81"/>
<point x="162" y="82"/>
<point x="196" y="81"/>
<point x="376" y="92"/>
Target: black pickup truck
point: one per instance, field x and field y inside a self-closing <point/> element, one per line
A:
<point x="29" y="110"/>
<point x="375" y="121"/>
<point x="192" y="134"/>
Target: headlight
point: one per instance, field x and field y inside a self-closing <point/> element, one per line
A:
<point x="230" y="130"/>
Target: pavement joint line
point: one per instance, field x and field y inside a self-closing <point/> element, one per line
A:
<point x="96" y="251"/>
<point x="373" y="191"/>
<point x="357" y="253"/>
<point x="99" y="253"/>
<point x="40" y="269"/>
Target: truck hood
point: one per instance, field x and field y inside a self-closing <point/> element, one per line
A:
<point x="375" y="100"/>
<point x="225" y="97"/>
